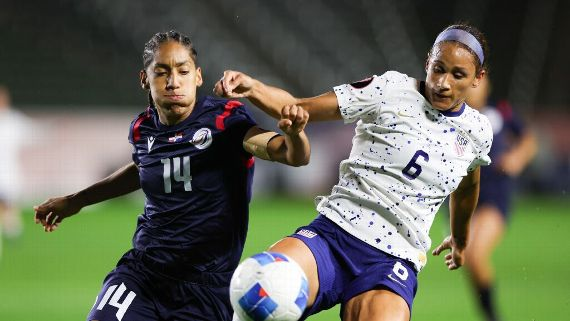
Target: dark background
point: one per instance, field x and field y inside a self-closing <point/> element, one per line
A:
<point x="77" y="53"/>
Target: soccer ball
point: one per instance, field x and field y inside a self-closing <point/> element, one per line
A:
<point x="269" y="286"/>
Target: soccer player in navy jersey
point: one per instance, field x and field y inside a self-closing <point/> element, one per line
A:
<point x="513" y="148"/>
<point x="193" y="159"/>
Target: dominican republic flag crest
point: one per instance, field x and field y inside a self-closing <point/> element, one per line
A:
<point x="175" y="138"/>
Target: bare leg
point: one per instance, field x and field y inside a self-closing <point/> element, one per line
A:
<point x="298" y="251"/>
<point x="487" y="230"/>
<point x="376" y="305"/>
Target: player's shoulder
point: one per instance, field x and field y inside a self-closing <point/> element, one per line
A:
<point x="213" y="103"/>
<point x="396" y="78"/>
<point x="144" y="116"/>
<point x="388" y="78"/>
<point x="142" y="121"/>
<point x="478" y="124"/>
<point x="227" y="112"/>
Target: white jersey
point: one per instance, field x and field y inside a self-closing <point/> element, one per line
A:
<point x="406" y="158"/>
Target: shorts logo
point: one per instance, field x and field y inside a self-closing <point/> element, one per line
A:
<point x="307" y="233"/>
<point x="202" y="138"/>
<point x="394" y="279"/>
<point x="401" y="272"/>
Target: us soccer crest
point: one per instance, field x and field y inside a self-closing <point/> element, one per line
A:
<point x="460" y="144"/>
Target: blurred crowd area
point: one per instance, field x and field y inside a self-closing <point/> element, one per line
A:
<point x="72" y="70"/>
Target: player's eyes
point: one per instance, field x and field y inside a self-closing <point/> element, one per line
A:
<point x="160" y="73"/>
<point x="184" y="72"/>
<point x="458" y="75"/>
<point x="438" y="69"/>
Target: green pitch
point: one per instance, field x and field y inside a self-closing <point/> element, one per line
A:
<point x="57" y="276"/>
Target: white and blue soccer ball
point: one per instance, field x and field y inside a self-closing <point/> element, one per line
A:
<point x="269" y="286"/>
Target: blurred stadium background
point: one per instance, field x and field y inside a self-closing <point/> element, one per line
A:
<point x="72" y="67"/>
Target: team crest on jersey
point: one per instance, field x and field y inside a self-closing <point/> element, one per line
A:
<point x="460" y="144"/>
<point x="202" y="138"/>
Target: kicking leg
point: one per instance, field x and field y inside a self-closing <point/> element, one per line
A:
<point x="300" y="253"/>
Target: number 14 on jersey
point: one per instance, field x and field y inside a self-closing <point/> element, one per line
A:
<point x="179" y="169"/>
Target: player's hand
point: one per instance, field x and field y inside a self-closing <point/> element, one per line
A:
<point x="511" y="164"/>
<point x="293" y="120"/>
<point x="234" y="84"/>
<point x="454" y="259"/>
<point x="51" y="212"/>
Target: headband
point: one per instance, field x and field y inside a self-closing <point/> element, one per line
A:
<point x="465" y="38"/>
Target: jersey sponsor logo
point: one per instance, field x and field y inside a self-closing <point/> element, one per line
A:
<point x="307" y="233"/>
<point x="150" y="142"/>
<point x="404" y="114"/>
<point x="175" y="138"/>
<point x="362" y="83"/>
<point x="460" y="144"/>
<point x="202" y="138"/>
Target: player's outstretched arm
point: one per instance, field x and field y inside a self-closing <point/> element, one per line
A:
<point x="51" y="212"/>
<point x="291" y="149"/>
<point x="235" y="84"/>
<point x="462" y="203"/>
<point x="517" y="158"/>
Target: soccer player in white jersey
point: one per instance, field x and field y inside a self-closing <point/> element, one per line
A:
<point x="416" y="142"/>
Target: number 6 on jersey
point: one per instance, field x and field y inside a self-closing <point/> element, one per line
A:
<point x="179" y="175"/>
<point x="414" y="165"/>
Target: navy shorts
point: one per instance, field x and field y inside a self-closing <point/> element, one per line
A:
<point x="498" y="193"/>
<point x="348" y="267"/>
<point x="135" y="291"/>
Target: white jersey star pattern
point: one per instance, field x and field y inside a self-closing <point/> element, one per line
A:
<point x="406" y="158"/>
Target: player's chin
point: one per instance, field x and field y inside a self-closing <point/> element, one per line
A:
<point x="442" y="104"/>
<point x="177" y="106"/>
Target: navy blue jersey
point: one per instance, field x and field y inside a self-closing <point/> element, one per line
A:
<point x="197" y="180"/>
<point x="496" y="186"/>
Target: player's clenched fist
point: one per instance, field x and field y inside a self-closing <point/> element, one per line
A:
<point x="233" y="84"/>
<point x="51" y="212"/>
<point x="293" y="120"/>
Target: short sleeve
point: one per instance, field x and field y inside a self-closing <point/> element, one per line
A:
<point x="483" y="142"/>
<point x="135" y="133"/>
<point x="237" y="122"/>
<point x="363" y="99"/>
